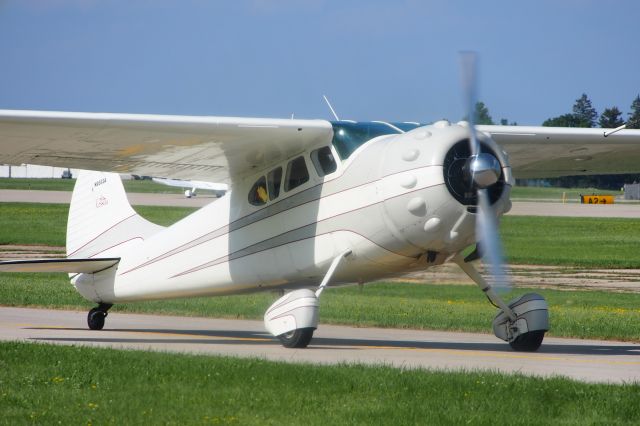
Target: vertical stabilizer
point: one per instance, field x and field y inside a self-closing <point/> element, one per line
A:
<point x="101" y="218"/>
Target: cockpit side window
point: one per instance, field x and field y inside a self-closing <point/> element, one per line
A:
<point x="296" y="175"/>
<point x="258" y="194"/>
<point x="323" y="161"/>
<point x="274" y="177"/>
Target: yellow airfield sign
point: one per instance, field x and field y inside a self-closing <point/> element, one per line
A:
<point x="596" y="199"/>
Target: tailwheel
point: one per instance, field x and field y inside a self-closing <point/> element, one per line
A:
<point x="96" y="316"/>
<point x="528" y="342"/>
<point x="298" y="338"/>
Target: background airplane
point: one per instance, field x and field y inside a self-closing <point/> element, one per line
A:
<point x="218" y="189"/>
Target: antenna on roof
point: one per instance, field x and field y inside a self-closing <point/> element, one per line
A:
<point x="331" y="108"/>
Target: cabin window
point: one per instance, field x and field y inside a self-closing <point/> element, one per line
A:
<point x="323" y="161"/>
<point x="274" y="177"/>
<point x="258" y="194"/>
<point x="297" y="174"/>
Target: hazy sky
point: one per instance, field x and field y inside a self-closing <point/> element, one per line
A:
<point x="375" y="60"/>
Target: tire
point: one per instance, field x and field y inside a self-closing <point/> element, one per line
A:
<point x="528" y="342"/>
<point x="299" y="338"/>
<point x="95" y="319"/>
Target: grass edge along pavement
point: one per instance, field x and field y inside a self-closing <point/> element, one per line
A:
<point x="68" y="384"/>
<point x="46" y="224"/>
<point x="579" y="314"/>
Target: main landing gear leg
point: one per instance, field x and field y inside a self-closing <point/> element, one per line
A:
<point x="96" y="316"/>
<point x="294" y="317"/>
<point x="522" y="322"/>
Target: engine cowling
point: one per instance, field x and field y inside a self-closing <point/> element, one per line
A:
<point x="429" y="196"/>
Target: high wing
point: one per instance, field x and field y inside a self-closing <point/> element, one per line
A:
<point x="220" y="149"/>
<point x="184" y="147"/>
<point x="540" y="152"/>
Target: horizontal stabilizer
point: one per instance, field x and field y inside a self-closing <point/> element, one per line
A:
<point x="81" y="266"/>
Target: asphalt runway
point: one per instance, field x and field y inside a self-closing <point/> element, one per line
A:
<point x="585" y="360"/>
<point x="540" y="208"/>
<point x="520" y="208"/>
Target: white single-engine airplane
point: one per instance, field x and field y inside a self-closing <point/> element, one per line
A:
<point x="312" y="204"/>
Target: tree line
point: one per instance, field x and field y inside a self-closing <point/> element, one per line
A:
<point x="583" y="115"/>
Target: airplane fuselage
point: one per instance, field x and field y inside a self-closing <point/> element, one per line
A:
<point x="394" y="202"/>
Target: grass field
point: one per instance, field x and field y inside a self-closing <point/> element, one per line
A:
<point x="46" y="384"/>
<point x="35" y="223"/>
<point x="528" y="240"/>
<point x="582" y="314"/>
<point x="586" y="242"/>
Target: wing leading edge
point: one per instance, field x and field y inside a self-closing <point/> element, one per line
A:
<point x="184" y="147"/>
<point x="540" y="152"/>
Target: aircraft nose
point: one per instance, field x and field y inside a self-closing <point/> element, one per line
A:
<point x="429" y="187"/>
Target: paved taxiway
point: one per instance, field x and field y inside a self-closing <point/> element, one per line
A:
<point x="540" y="208"/>
<point x="520" y="208"/>
<point x="586" y="360"/>
<point x="139" y="199"/>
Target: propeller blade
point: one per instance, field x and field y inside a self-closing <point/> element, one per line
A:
<point x="484" y="170"/>
<point x="487" y="233"/>
<point x="468" y="67"/>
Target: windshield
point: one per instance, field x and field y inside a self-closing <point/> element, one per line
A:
<point x="348" y="136"/>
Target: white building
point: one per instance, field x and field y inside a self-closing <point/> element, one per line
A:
<point x="32" y="171"/>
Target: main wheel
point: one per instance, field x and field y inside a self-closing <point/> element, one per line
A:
<point x="528" y="342"/>
<point x="298" y="338"/>
<point x="95" y="319"/>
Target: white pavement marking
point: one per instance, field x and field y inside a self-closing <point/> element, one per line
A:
<point x="585" y="360"/>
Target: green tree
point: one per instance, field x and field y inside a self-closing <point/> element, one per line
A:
<point x="611" y="118"/>
<point x="584" y="111"/>
<point x="634" y="116"/>
<point x="584" y="115"/>
<point x="565" y="120"/>
<point x="505" y="122"/>
<point x="482" y="114"/>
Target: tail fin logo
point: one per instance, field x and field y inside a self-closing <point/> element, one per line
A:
<point x="101" y="201"/>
